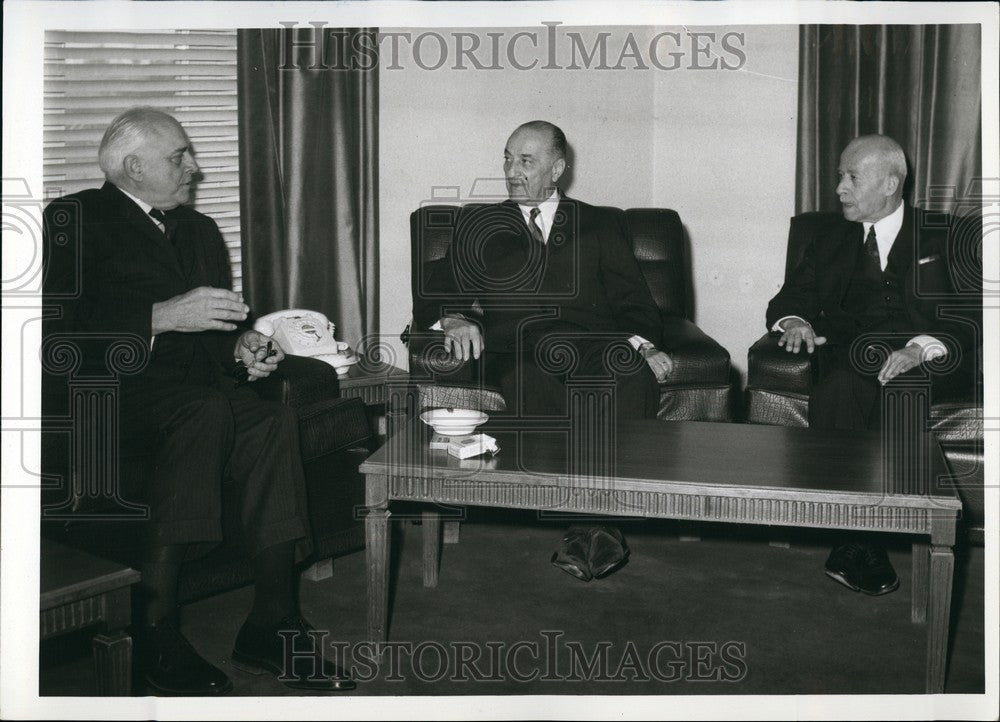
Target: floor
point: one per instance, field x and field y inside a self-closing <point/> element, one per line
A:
<point x="740" y="611"/>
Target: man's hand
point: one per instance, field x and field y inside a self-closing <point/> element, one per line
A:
<point x="462" y="337"/>
<point x="251" y="349"/>
<point x="661" y="364"/>
<point x="797" y="332"/>
<point x="899" y="362"/>
<point x="200" y="309"/>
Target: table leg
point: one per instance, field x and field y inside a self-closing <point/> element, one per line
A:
<point x="323" y="569"/>
<point x="920" y="585"/>
<point x="113" y="664"/>
<point x="942" y="568"/>
<point x="431" y="524"/>
<point x="451" y="531"/>
<point x="377" y="531"/>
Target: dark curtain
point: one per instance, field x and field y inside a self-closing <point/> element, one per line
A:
<point x="308" y="117"/>
<point x="919" y="84"/>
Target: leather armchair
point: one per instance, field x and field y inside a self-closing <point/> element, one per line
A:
<point x="698" y="390"/>
<point x="91" y="494"/>
<point x="778" y="386"/>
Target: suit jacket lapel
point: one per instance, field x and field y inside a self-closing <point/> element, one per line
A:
<point x="156" y="242"/>
<point x="515" y="212"/>
<point x="848" y="237"/>
<point x="562" y="235"/>
<point x="901" y="255"/>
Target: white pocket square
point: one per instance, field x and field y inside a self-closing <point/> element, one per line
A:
<point x="929" y="259"/>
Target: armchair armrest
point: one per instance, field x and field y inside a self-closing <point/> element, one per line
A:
<point x="327" y="422"/>
<point x="770" y="367"/>
<point x="299" y="381"/>
<point x="698" y="358"/>
<point x="443" y="381"/>
<point x="431" y="360"/>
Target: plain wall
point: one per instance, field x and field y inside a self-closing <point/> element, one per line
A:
<point x="717" y="145"/>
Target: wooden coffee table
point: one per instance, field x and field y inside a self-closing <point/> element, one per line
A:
<point x="79" y="590"/>
<point x="735" y="473"/>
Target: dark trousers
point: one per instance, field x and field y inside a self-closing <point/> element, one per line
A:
<point x="847" y="393"/>
<point x="538" y="379"/>
<point x="203" y="436"/>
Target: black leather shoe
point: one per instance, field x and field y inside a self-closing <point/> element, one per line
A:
<point x="863" y="568"/>
<point x="170" y="666"/>
<point x="572" y="554"/>
<point x="608" y="551"/>
<point x="297" y="663"/>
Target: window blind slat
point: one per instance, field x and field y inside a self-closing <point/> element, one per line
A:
<point x="216" y="114"/>
<point x="179" y="55"/>
<point x="91" y="77"/>
<point x="151" y="73"/>
<point x="225" y="176"/>
<point x="97" y="87"/>
<point x="108" y="102"/>
<point x="151" y="37"/>
<point x="199" y="126"/>
<point x="204" y="148"/>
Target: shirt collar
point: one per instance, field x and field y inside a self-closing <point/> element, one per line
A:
<point x="548" y="212"/>
<point x="886" y="229"/>
<point x="146" y="208"/>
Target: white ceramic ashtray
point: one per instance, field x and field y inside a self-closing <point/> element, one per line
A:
<point x="453" y="422"/>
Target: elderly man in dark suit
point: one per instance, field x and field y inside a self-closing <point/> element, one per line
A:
<point x="877" y="275"/>
<point x="539" y="270"/>
<point x="545" y="289"/>
<point x="154" y="269"/>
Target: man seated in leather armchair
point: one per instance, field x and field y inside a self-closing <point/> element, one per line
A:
<point x="879" y="277"/>
<point x="153" y="269"/>
<point x="544" y="290"/>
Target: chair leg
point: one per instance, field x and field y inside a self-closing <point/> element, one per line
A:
<point x="323" y="569"/>
<point x="451" y="530"/>
<point x="431" y="522"/>
<point x="921" y="581"/>
<point x="686" y="532"/>
<point x="779" y="538"/>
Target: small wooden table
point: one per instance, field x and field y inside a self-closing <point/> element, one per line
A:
<point x="79" y="590"/>
<point x="381" y="386"/>
<point x="367" y="380"/>
<point x="735" y="473"/>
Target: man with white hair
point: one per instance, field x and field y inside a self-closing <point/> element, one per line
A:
<point x="877" y="276"/>
<point x="149" y="267"/>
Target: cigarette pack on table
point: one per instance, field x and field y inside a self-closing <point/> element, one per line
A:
<point x="473" y="445"/>
<point x="439" y="442"/>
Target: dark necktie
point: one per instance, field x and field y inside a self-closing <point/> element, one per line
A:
<point x="533" y="228"/>
<point x="871" y="247"/>
<point x="169" y="224"/>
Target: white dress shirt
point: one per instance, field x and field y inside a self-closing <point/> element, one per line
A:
<point x="546" y="217"/>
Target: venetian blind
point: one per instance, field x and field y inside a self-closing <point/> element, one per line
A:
<point x="91" y="77"/>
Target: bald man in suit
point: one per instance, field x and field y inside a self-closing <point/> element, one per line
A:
<point x="546" y="290"/>
<point x="877" y="275"/>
